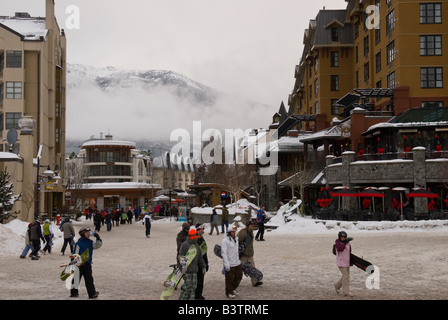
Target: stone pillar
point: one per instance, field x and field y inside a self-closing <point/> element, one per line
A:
<point x="349" y="203"/>
<point x="328" y="162"/>
<point x="419" y="155"/>
<point x="29" y="175"/>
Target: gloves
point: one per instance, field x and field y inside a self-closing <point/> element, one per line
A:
<point x="97" y="236"/>
<point x="348" y="239"/>
<point x="227" y="268"/>
<point x="204" y="271"/>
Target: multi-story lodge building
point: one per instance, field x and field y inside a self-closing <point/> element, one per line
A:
<point x="32" y="84"/>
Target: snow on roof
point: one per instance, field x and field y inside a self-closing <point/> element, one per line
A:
<point x="8" y="155"/>
<point x="106" y="142"/>
<point x="120" y="185"/>
<point x="30" y="28"/>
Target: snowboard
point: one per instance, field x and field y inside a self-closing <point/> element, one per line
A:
<point x="75" y="261"/>
<point x="360" y="263"/>
<point x="173" y="279"/>
<point x="248" y="270"/>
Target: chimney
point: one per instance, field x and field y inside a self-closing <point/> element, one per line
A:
<point x="49" y="14"/>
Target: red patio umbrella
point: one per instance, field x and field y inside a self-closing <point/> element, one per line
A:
<point x="422" y="193"/>
<point x="345" y="192"/>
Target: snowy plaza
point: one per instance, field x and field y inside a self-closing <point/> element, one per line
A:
<point x="295" y="259"/>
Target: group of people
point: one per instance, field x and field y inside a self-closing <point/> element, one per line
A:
<point x="35" y="233"/>
<point x="235" y="249"/>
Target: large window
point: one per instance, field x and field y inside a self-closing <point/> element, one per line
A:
<point x="12" y="120"/>
<point x="431" y="45"/>
<point x="366" y="72"/>
<point x="390" y="52"/>
<point x="13" y="90"/>
<point x="390" y="22"/>
<point x="335" y="34"/>
<point x="378" y="62"/>
<point x="335" y="83"/>
<point x="430" y="13"/>
<point x="431" y="77"/>
<point x="14" y="59"/>
<point x="366" y="45"/>
<point x="335" y="58"/>
<point x="391" y="80"/>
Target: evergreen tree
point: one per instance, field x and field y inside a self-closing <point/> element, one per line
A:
<point x="7" y="198"/>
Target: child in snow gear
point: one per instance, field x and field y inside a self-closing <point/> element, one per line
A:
<point x="343" y="251"/>
<point x="84" y="247"/>
<point x="197" y="265"/>
<point x="232" y="264"/>
<point x="147" y="223"/>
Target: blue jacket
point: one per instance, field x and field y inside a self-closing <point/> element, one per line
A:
<point x="260" y="216"/>
<point x="84" y="244"/>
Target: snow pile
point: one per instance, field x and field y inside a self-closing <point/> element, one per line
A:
<point x="239" y="207"/>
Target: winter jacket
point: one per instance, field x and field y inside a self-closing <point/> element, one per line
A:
<point x="201" y="242"/>
<point x="343" y="250"/>
<point x="182" y="236"/>
<point x="84" y="244"/>
<point x="68" y="230"/>
<point x="214" y="218"/>
<point x="229" y="252"/>
<point x="47" y="229"/>
<point x="36" y="232"/>
<point x="260" y="216"/>
<point x="246" y="240"/>
<point x="225" y="214"/>
<point x="198" y="262"/>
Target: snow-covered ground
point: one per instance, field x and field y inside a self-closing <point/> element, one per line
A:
<point x="296" y="261"/>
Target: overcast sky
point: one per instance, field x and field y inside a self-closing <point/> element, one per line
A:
<point x="243" y="47"/>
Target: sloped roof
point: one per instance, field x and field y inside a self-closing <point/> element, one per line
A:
<point x="30" y="29"/>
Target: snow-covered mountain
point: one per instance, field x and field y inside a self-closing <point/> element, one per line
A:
<point x="113" y="80"/>
<point x="150" y="104"/>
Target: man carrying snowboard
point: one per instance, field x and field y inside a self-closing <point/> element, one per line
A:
<point x="84" y="247"/>
<point x="343" y="250"/>
<point x="246" y="250"/>
<point x="190" y="275"/>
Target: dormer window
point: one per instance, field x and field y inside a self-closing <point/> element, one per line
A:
<point x="334" y="34"/>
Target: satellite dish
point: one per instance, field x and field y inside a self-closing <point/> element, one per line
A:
<point x="11" y="137"/>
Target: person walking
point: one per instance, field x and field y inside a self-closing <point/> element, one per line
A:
<point x="232" y="264"/>
<point x="188" y="289"/>
<point x="224" y="219"/>
<point x="214" y="222"/>
<point x="84" y="244"/>
<point x="203" y="246"/>
<point x="147" y="223"/>
<point x="182" y="236"/>
<point x="246" y="241"/>
<point x="68" y="233"/>
<point x="108" y="218"/>
<point x="28" y="242"/>
<point x="48" y="235"/>
<point x="261" y="215"/>
<point x="36" y="236"/>
<point x="343" y="250"/>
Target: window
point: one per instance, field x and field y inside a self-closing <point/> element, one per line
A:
<point x="356" y="54"/>
<point x="13" y="90"/>
<point x="390" y="22"/>
<point x="431" y="77"/>
<point x="366" y="45"/>
<point x="316" y="108"/>
<point x="334" y="107"/>
<point x="356" y="29"/>
<point x="430" y="13"/>
<point x="389" y="3"/>
<point x="334" y="83"/>
<point x="12" y="120"/>
<point x="432" y="104"/>
<point x="14" y="59"/>
<point x="378" y="62"/>
<point x="335" y="58"/>
<point x="377" y="35"/>
<point x="311" y="91"/>
<point x="366" y="72"/>
<point x="390" y="52"/>
<point x="2" y="96"/>
<point x="316" y="88"/>
<point x="391" y="80"/>
<point x="430" y="45"/>
<point x="334" y="34"/>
